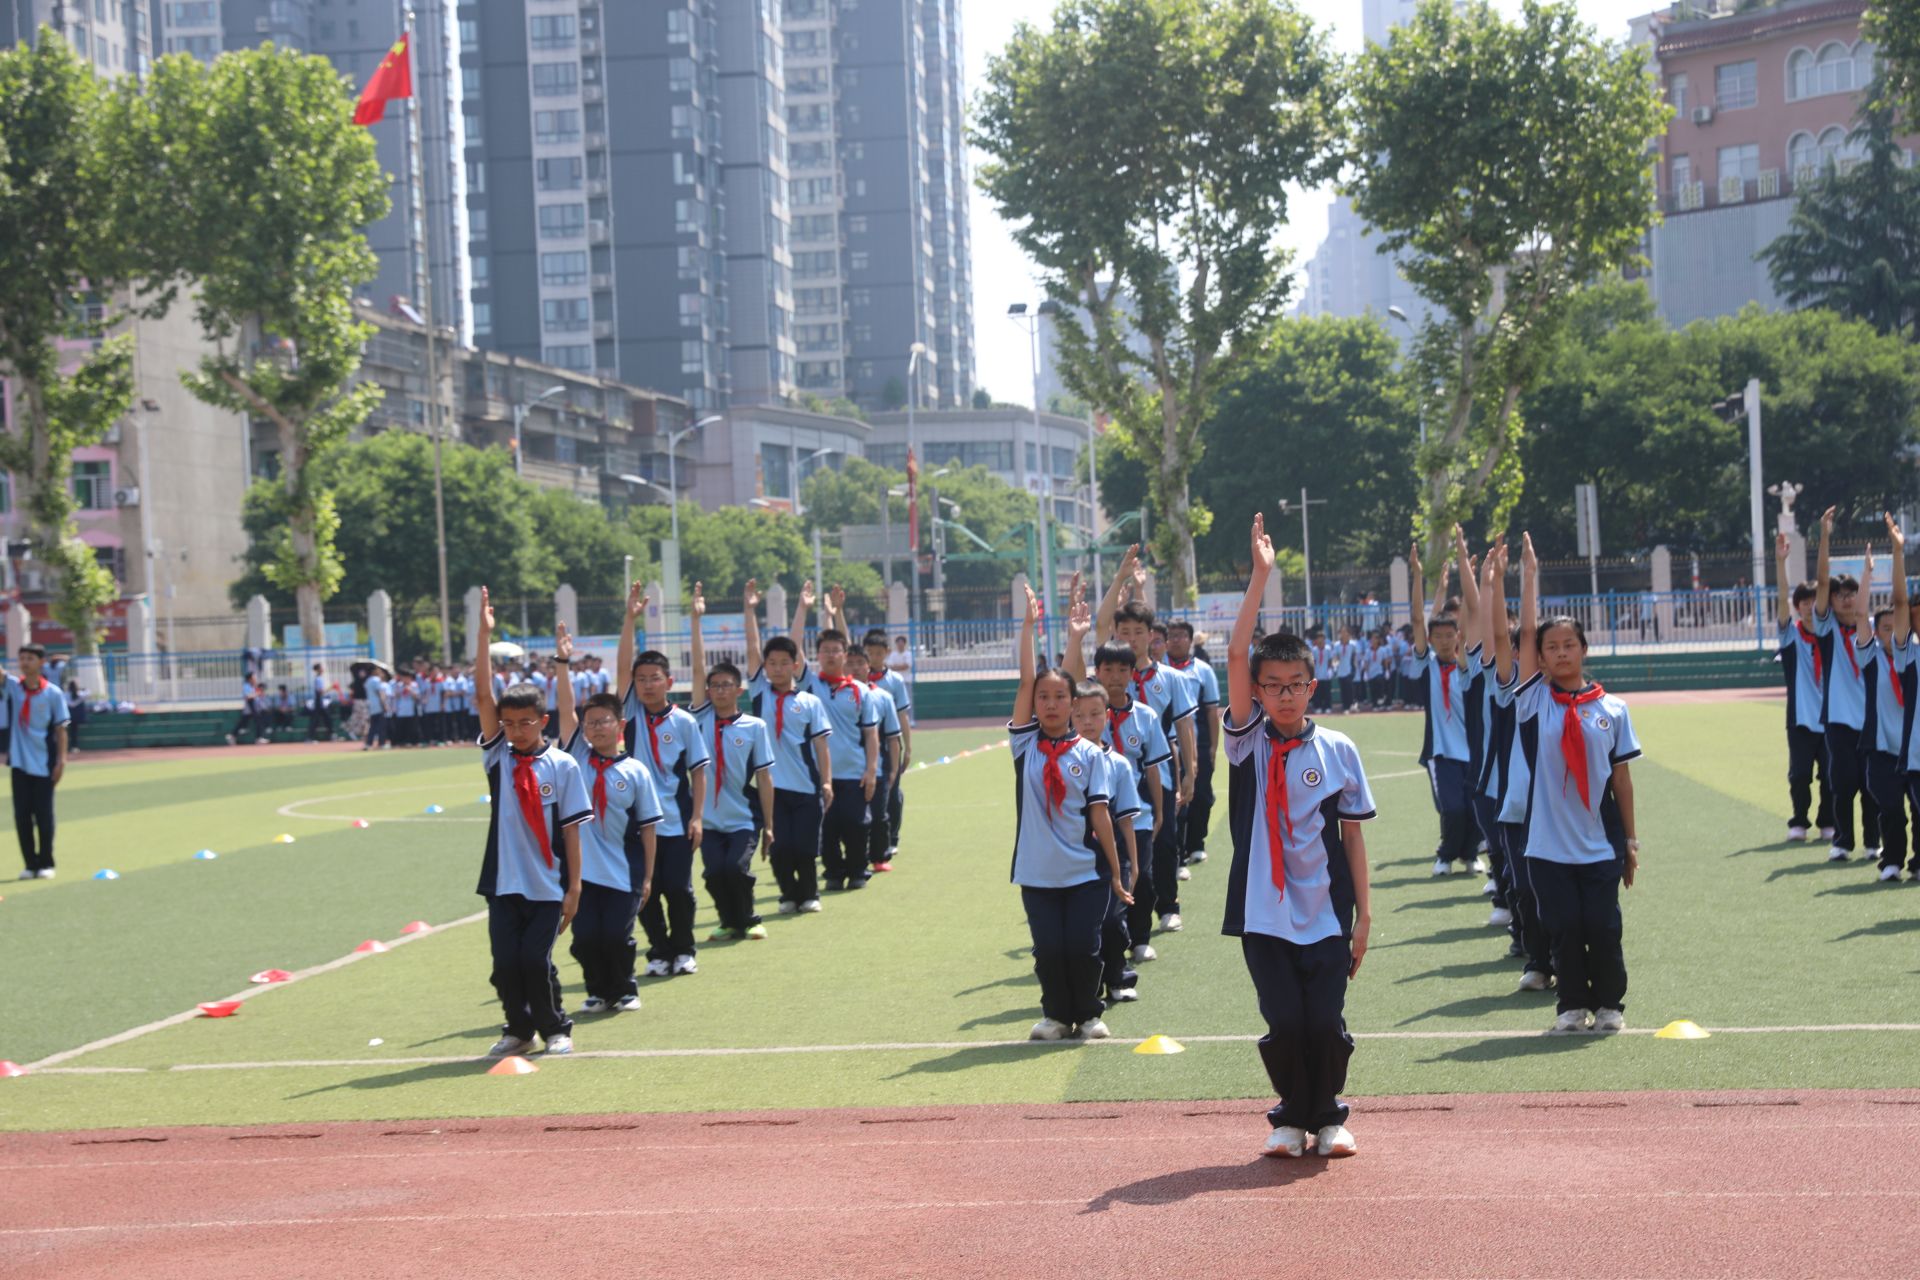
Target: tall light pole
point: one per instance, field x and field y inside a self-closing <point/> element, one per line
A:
<point x="914" y="609"/>
<point x="520" y="410"/>
<point x="1306" y="541"/>
<point x="1093" y="501"/>
<point x="799" y="470"/>
<point x="673" y="470"/>
<point x="1019" y="314"/>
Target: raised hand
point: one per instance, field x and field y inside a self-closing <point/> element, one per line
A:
<point x="1079" y="620"/>
<point x="752" y="597"/>
<point x="1826" y="523"/>
<point x="1783" y="545"/>
<point x="1261" y="544"/>
<point x="636" y="600"/>
<point x="1529" y="562"/>
<point x="486" y="610"/>
<point x="1897" y="538"/>
<point x="699" y="605"/>
<point x="807" y="596"/>
<point x="1413" y="560"/>
<point x="1033" y="604"/>
<point x="562" y="643"/>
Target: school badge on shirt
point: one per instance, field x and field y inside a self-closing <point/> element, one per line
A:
<point x="1311" y="777"/>
<point x="546" y="789"/>
<point x="619" y="784"/>
<point x="1074" y="769"/>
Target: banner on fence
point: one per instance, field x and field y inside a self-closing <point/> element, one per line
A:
<point x="339" y="635"/>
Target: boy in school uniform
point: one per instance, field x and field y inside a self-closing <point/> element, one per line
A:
<point x="1805" y="671"/>
<point x="802" y="762"/>
<point x="319" y="711"/>
<point x="616" y="848"/>
<point x="37" y="716"/>
<point x="433" y="704"/>
<point x="1347" y="670"/>
<point x="531" y="873"/>
<point x="881" y="674"/>
<point x="666" y="740"/>
<point x="856" y="769"/>
<point x="1890" y="678"/>
<point x="1065" y="859"/>
<point x="1582" y="841"/>
<point x="1510" y="779"/>
<point x="740" y="810"/>
<point x="1838" y="606"/>
<point x="1171" y="696"/>
<point x="1446" y="751"/>
<point x="1298" y="896"/>
<point x="406" y="711"/>
<point x="379" y="710"/>
<point x="1182" y="657"/>
<point x="1326" y="665"/>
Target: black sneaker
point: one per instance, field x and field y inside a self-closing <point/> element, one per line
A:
<point x="835" y="886"/>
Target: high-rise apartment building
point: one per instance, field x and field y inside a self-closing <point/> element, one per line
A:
<point x="423" y="237"/>
<point x="115" y="35"/>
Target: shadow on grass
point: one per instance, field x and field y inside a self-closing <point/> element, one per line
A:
<point x="1468" y="1007"/>
<point x="1404" y="882"/>
<point x="1858" y="887"/>
<point x="986" y="1055"/>
<point x="1006" y="1018"/>
<point x="484" y="1034"/>
<point x="1438" y="938"/>
<point x="1883" y="929"/>
<point x="1017" y="980"/>
<point x="1809" y="869"/>
<point x="1507" y="1047"/>
<point x="400" y="1079"/>
<point x="1438" y="904"/>
<point x="1256" y="1174"/>
<point x="1476" y="969"/>
<point x="1783" y="846"/>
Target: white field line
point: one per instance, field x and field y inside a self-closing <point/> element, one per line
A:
<point x="929" y="1046"/>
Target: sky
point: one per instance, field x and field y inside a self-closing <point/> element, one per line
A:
<point x="1001" y="272"/>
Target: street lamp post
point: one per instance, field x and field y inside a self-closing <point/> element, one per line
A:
<point x="520" y="410"/>
<point x="1306" y="542"/>
<point x="799" y="475"/>
<point x="673" y="470"/>
<point x="915" y="610"/>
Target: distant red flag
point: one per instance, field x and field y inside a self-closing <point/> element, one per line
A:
<point x="391" y="80"/>
<point x="913" y="500"/>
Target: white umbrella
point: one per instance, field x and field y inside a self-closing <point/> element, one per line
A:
<point x="506" y="649"/>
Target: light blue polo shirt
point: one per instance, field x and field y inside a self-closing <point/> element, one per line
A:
<point x="1446" y="710"/>
<point x="32" y="743"/>
<point x="1055" y="848"/>
<point x="404" y="701"/>
<point x="1805" y="703"/>
<point x="1124" y="795"/>
<point x="1846" y="687"/>
<point x="376" y="696"/>
<point x="1884" y="673"/>
<point x="1326" y="660"/>
<point x="611" y="852"/>
<point x="1326" y="785"/>
<point x="746" y="742"/>
<point x="794" y="719"/>
<point x="888" y="714"/>
<point x="668" y="746"/>
<point x="1173" y="697"/>
<point x="850" y="711"/>
<point x="1559" y="827"/>
<point x="433" y="695"/>
<point x="1513" y="805"/>
<point x="1134" y="731"/>
<point x="897" y="689"/>
<point x="513" y="863"/>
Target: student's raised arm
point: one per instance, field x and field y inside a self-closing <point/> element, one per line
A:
<point x="1079" y="623"/>
<point x="1469" y="592"/>
<point x="1529" y="609"/>
<point x="1239" y="671"/>
<point x="1782" y="548"/>
<point x="837" y="611"/>
<point x="1494" y="595"/>
<point x="568" y="714"/>
<point x="750" y="604"/>
<point x="1023" y="699"/>
<point x="1899" y="541"/>
<point x="1823" y="575"/>
<point x="623" y="656"/>
<point x="802" y="605"/>
<point x="698" y="679"/>
<point x="484" y="707"/>
<point x="1110" y="603"/>
<point x="1417" y="592"/>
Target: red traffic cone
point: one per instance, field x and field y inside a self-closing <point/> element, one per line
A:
<point x="415" y="926"/>
<point x="370" y="946"/>
<point x="10" y="1069"/>
<point x="271" y="975"/>
<point x="513" y="1066"/>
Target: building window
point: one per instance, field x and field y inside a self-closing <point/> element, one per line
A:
<point x="556" y="126"/>
<point x="477" y="224"/>
<point x="693" y="357"/>
<point x="1735" y="85"/>
<point x="553" y="32"/>
<point x="680" y="75"/>
<point x="575" y="356"/>
<point x="858" y="260"/>
<point x="564" y="315"/>
<point x="93" y="485"/>
<point x="563" y="268"/>
<point x="1809" y="157"/>
<point x="692" y="307"/>
<point x="556" y="79"/>
<point x="562" y="173"/>
<point x="475" y="135"/>
<point x="6" y="492"/>
<point x="687" y="215"/>
<point x="482" y="269"/>
<point x="194" y="13"/>
<point x="1682" y="173"/>
<point x="476" y="177"/>
<point x="469" y="36"/>
<point x="689" y="261"/>
<point x="558" y="221"/>
<point x="1835" y="69"/>
<point x="994" y="455"/>
<point x="679" y="26"/>
<point x="776" y="475"/>
<point x="483" y="318"/>
<point x="1677" y="94"/>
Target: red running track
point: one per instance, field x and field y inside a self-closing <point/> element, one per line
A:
<point x="1719" y="1184"/>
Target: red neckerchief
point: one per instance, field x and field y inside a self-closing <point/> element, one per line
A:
<point x="720" y="750"/>
<point x="1116" y="719"/>
<point x="527" y="788"/>
<point x="1899" y="694"/>
<point x="1573" y="744"/>
<point x="653" y="736"/>
<point x="1054" y="781"/>
<point x="1141" y="675"/>
<point x="837" y="683"/>
<point x="600" y="766"/>
<point x="1813" y="642"/>
<point x="1180" y="666"/>
<point x="26" y="707"/>
<point x="1446" y="686"/>
<point x="1845" y="637"/>
<point x="1278" y="810"/>
<point x="780" y="712"/>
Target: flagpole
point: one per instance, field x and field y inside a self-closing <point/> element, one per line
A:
<point x="416" y="166"/>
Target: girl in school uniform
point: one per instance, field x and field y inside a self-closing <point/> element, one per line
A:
<point x="1582" y="844"/>
<point x="1064" y="857"/>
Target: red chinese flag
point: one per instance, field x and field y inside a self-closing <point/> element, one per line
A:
<point x="913" y="501"/>
<point x="392" y="79"/>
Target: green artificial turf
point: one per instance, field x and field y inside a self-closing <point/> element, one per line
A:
<point x="1728" y="927"/>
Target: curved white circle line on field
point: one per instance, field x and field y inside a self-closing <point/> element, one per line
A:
<point x="292" y="808"/>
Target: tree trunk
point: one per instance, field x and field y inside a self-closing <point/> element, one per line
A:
<point x="301" y="535"/>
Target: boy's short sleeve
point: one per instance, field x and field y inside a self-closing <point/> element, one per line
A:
<point x="572" y="801"/>
<point x="1417" y="661"/>
<point x="889" y="720"/>
<point x="869" y="712"/>
<point x="761" y="756"/>
<point x="1155" y="748"/>
<point x="1823" y="623"/>
<point x="1530" y="697"/>
<point x="646" y="805"/>
<point x="1503" y="694"/>
<point x="1625" y="744"/>
<point x="1356" y="797"/>
<point x="1021" y="737"/>
<point x="697" y="751"/>
<point x="58" y="711"/>
<point x="1180" y="702"/>
<point x="819" y="723"/>
<point x="1209" y="686"/>
<point x="1244" y="738"/>
<point x="493" y="750"/>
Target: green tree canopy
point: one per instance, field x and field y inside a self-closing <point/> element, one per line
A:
<point x="1894" y="28"/>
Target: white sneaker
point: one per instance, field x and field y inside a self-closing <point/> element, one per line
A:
<point x="1172" y="923"/>
<point x="810" y="906"/>
<point x="1534" y="980"/>
<point x="559" y="1046"/>
<point x="28" y="874"/>
<point x="788" y="908"/>
<point x="1871" y="854"/>
<point x="657" y="969"/>
<point x="1286" y="1140"/>
<point x="1335" y="1141"/>
<point x="626" y="1004"/>
<point x="1796" y="833"/>
<point x="1124" y="995"/>
<point x="1837" y="854"/>
<point x="1490" y="888"/>
<point x="685" y="964"/>
<point x="1143" y="953"/>
<point x="507" y="1045"/>
<point x="1441" y="866"/>
<point x="1572" y="1020"/>
<point x="1826" y="833"/>
<point x="1198" y="855"/>
<point x="1048" y="1029"/>
<point x="1609" y="1020"/>
<point x="593" y="1004"/>
<point x="1183" y="874"/>
<point x="1481" y="866"/>
<point x="1094" y="1029"/>
<point x="1889" y="875"/>
<point x="1499" y="918"/>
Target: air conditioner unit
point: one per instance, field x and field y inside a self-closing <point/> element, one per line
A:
<point x="112" y="435"/>
<point x="128" y="497"/>
<point x="1703" y="115"/>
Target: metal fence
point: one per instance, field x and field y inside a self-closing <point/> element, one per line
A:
<point x="150" y="680"/>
